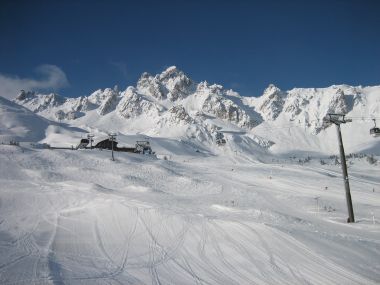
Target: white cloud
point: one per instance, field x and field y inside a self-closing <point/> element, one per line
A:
<point x="50" y="77"/>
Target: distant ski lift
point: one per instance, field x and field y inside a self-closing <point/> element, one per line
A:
<point x="375" y="132"/>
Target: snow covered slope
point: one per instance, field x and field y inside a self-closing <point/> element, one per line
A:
<point x="76" y="217"/>
<point x="20" y="124"/>
<point x="172" y="105"/>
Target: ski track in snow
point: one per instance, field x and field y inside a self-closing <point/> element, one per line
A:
<point x="78" y="218"/>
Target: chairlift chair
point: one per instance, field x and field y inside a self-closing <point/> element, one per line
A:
<point x="375" y="132"/>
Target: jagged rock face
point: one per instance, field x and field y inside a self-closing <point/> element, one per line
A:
<point x="97" y="97"/>
<point x="82" y="104"/>
<point x="37" y="102"/>
<point x="25" y="95"/>
<point x="216" y="103"/>
<point x="225" y="109"/>
<point x="310" y="106"/>
<point x="51" y="100"/>
<point x="322" y="103"/>
<point x="337" y="103"/>
<point x="178" y="114"/>
<point x="133" y="104"/>
<point x="176" y="82"/>
<point x="171" y="84"/>
<point x="150" y="85"/>
<point x="295" y="104"/>
<point x="359" y="99"/>
<point x="272" y="102"/>
<point x="205" y="88"/>
<point x="110" y="101"/>
<point x="71" y="115"/>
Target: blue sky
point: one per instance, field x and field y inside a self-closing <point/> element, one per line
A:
<point x="80" y="46"/>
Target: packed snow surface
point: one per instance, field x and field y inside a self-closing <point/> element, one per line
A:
<point x="77" y="217"/>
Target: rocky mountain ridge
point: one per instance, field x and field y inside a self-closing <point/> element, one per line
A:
<point x="171" y="104"/>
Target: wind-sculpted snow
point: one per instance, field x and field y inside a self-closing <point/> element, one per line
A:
<point x="76" y="217"/>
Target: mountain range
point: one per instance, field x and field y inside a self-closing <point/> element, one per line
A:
<point x="172" y="105"/>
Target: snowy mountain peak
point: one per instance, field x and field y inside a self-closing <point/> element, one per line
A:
<point x="205" y="87"/>
<point x="171" y="84"/>
<point x="270" y="90"/>
<point x="110" y="99"/>
<point x="171" y="72"/>
<point x="133" y="104"/>
<point x="177" y="83"/>
<point x="272" y="102"/>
